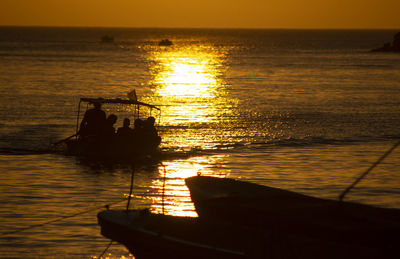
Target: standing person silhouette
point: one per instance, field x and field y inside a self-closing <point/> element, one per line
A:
<point x="93" y="121"/>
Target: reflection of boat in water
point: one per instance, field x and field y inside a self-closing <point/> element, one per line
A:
<point x="369" y="232"/>
<point x="107" y="39"/>
<point x="245" y="220"/>
<point x="115" y="146"/>
<point x="165" y="42"/>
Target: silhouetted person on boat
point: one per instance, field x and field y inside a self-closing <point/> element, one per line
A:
<point x="145" y="136"/>
<point x="150" y="133"/>
<point x="125" y="131"/>
<point x="124" y="137"/>
<point x="138" y="135"/>
<point x="109" y="130"/>
<point x="93" y="121"/>
<point x="138" y="126"/>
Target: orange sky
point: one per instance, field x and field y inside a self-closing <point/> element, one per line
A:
<point x="363" y="14"/>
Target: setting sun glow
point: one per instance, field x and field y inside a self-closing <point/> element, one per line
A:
<point x="338" y="14"/>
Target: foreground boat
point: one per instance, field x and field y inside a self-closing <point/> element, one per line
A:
<point x="149" y="235"/>
<point x="245" y="220"/>
<point x="364" y="227"/>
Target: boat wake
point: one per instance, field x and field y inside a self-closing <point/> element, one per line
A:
<point x="319" y="141"/>
<point x="26" y="151"/>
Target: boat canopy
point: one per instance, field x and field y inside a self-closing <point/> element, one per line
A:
<point x="113" y="101"/>
<point x="117" y="101"/>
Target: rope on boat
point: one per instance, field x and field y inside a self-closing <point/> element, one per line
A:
<point x="131" y="188"/>
<point x="341" y="197"/>
<point x="59" y="219"/>
<point x="105" y="250"/>
<point x="163" y="189"/>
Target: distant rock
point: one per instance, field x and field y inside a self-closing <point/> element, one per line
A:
<point x="390" y="47"/>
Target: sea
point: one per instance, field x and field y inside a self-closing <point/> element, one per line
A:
<point x="303" y="110"/>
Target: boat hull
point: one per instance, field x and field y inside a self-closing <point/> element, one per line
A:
<point x="364" y="227"/>
<point x="148" y="235"/>
<point x="110" y="151"/>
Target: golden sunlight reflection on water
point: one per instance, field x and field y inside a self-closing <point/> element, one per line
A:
<point x="187" y="81"/>
<point x="173" y="195"/>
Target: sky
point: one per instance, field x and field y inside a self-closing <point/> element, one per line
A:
<point x="287" y="14"/>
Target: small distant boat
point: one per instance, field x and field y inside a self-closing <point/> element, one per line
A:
<point x="363" y="227"/>
<point x="107" y="39"/>
<point x="165" y="42"/>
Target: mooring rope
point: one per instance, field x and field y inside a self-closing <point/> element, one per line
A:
<point x="163" y="190"/>
<point x="105" y="250"/>
<point x="341" y="197"/>
<point x="59" y="219"/>
<point x="131" y="188"/>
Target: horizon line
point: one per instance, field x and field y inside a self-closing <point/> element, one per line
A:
<point x="191" y="28"/>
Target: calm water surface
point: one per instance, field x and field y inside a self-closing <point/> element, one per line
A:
<point x="306" y="111"/>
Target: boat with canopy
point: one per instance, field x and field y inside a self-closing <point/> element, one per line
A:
<point x="133" y="147"/>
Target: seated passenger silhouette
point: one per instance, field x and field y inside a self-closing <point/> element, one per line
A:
<point x="108" y="129"/>
<point x="93" y="121"/>
<point x="138" y="136"/>
<point x="150" y="133"/>
<point x="124" y="138"/>
<point x="125" y="130"/>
